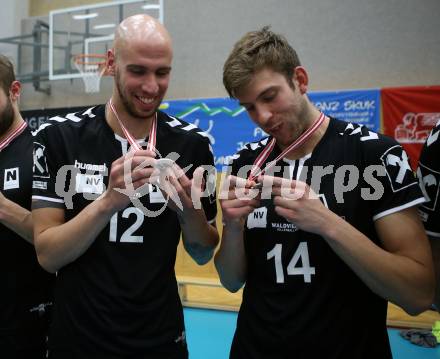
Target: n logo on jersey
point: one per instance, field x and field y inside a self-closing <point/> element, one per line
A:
<point x="40" y="165"/>
<point x="430" y="184"/>
<point x="11" y="178"/>
<point x="398" y="170"/>
<point x="258" y="218"/>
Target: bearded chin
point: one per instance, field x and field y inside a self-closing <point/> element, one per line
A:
<point x="128" y="107"/>
<point x="6" y="118"/>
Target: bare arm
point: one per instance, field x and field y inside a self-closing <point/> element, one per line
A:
<point x="58" y="242"/>
<point x="199" y="237"/>
<point x="400" y="272"/>
<point x="16" y="218"/>
<point x="230" y="259"/>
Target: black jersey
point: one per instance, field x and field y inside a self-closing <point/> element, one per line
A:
<point x="26" y="295"/>
<point x="300" y="299"/>
<point x="120" y="297"/>
<point x="429" y="177"/>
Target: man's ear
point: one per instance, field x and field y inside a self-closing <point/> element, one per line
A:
<point x="301" y="78"/>
<point x="15" y="90"/>
<point x="110" y="62"/>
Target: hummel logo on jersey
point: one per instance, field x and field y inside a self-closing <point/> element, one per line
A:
<point x="258" y="218"/>
<point x="11" y="178"/>
<point x="395" y="161"/>
<point x="40" y="165"/>
<point x="91" y="167"/>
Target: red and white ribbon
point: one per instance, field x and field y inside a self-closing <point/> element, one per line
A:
<point x="151" y="145"/>
<point x="256" y="167"/>
<point x="12" y="136"/>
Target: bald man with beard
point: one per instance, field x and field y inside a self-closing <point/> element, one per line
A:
<point x="112" y="238"/>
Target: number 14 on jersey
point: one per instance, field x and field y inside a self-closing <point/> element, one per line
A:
<point x="302" y="253"/>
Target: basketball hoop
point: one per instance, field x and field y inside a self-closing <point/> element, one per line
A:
<point x="91" y="67"/>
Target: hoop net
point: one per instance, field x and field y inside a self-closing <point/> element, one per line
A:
<point x="91" y="67"/>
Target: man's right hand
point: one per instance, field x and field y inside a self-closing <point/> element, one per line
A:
<point x="238" y="199"/>
<point x="127" y="175"/>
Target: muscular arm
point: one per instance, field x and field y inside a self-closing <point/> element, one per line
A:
<point x="400" y="271"/>
<point x="230" y="259"/>
<point x="57" y="242"/>
<point x="16" y="218"/>
<point x="199" y="237"/>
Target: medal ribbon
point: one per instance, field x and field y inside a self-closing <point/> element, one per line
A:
<point x="12" y="136"/>
<point x="256" y="167"/>
<point x="151" y="145"/>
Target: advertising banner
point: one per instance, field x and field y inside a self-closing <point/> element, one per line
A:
<point x="409" y="113"/>
<point x="229" y="126"/>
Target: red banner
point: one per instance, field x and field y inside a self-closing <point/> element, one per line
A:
<point x="409" y="113"/>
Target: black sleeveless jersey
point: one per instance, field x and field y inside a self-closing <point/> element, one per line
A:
<point x="26" y="295"/>
<point x="429" y="177"/>
<point x="120" y="297"/>
<point x="300" y="299"/>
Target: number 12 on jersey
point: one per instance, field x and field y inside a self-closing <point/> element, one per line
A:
<point x="302" y="252"/>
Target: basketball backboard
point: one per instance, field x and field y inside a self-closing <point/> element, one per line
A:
<point x="89" y="29"/>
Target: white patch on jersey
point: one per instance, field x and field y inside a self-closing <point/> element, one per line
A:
<point x="433" y="136"/>
<point x="155" y="193"/>
<point x="42" y="127"/>
<point x="395" y="161"/>
<point x="430" y="184"/>
<point x="284" y="227"/>
<point x="229" y="159"/>
<point x="175" y="122"/>
<point x="254" y="145"/>
<point x="40" y="165"/>
<point x="370" y="136"/>
<point x="39" y="185"/>
<point x="189" y="127"/>
<point x="357" y="129"/>
<point x="11" y="178"/>
<point x="258" y="218"/>
<point x="87" y="183"/>
<point x="89" y="113"/>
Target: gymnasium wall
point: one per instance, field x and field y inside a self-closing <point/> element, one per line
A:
<point x="344" y="44"/>
<point x="13" y="11"/>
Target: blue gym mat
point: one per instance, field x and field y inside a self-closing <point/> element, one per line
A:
<point x="209" y="335"/>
